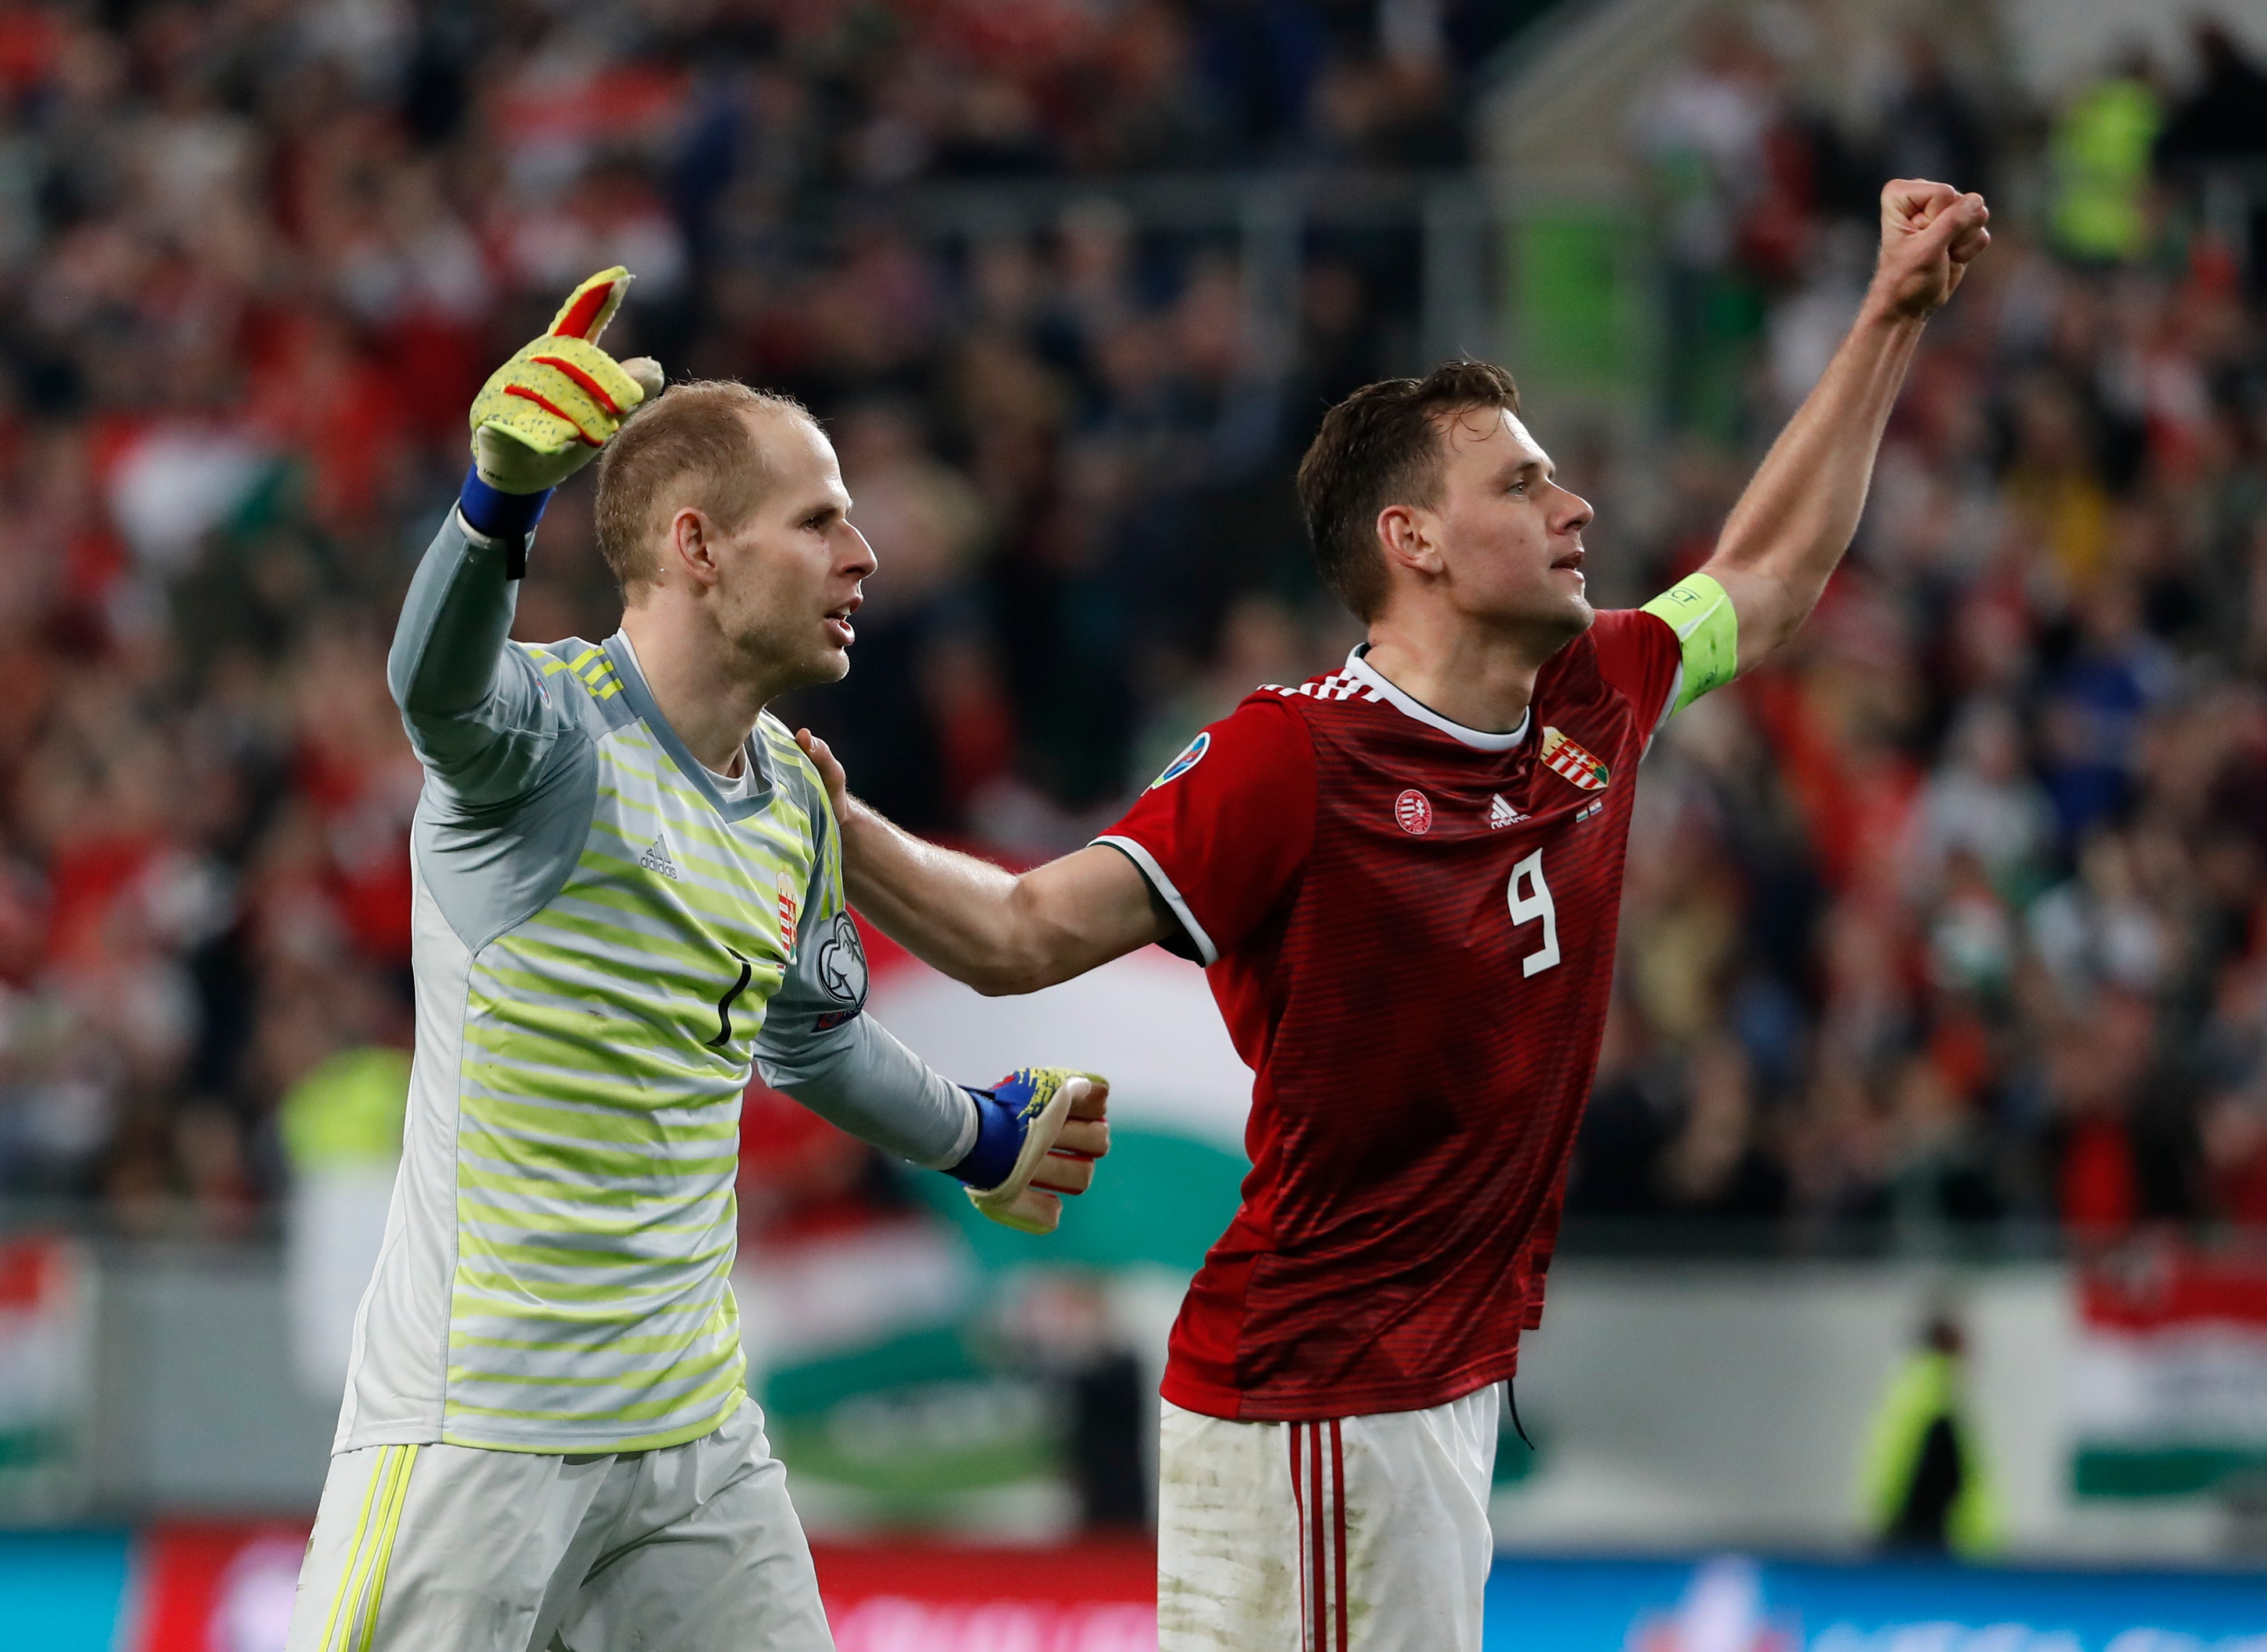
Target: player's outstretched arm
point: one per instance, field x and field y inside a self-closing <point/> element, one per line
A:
<point x="541" y="417"/>
<point x="999" y="931"/>
<point x="1796" y="518"/>
<point x="1015" y="1145"/>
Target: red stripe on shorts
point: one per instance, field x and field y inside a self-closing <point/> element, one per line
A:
<point x="1317" y="1530"/>
<point x="1338" y="1525"/>
<point x="1299" y="1516"/>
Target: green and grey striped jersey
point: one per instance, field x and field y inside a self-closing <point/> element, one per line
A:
<point x="607" y="943"/>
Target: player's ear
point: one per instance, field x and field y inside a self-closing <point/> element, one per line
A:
<point x="692" y="545"/>
<point x="1404" y="534"/>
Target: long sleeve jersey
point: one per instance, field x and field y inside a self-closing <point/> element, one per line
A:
<point x="607" y="946"/>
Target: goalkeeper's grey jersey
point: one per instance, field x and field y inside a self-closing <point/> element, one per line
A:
<point x="606" y="946"/>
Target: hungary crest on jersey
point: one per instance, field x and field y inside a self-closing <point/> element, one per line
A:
<point x="1570" y="762"/>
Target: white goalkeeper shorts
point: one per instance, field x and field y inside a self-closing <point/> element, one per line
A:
<point x="1358" y="1534"/>
<point x="449" y="1548"/>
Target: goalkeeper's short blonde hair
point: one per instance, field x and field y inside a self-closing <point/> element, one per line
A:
<point x="695" y="444"/>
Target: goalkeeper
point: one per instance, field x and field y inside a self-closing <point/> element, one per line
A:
<point x="629" y="895"/>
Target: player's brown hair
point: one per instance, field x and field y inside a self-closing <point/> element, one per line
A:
<point x="1381" y="446"/>
<point x="694" y="444"/>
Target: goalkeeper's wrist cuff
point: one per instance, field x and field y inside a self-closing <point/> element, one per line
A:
<point x="496" y="514"/>
<point x="999" y="1130"/>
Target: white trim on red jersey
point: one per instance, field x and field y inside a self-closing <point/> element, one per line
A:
<point x="1164" y="886"/>
<point x="1360" y="670"/>
<point x="1337" y="686"/>
<point x="1668" y="705"/>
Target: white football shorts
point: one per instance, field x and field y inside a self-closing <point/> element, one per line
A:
<point x="1355" y="1534"/>
<point x="451" y="1548"/>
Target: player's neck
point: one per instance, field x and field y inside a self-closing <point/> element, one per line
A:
<point x="1481" y="679"/>
<point x="701" y="688"/>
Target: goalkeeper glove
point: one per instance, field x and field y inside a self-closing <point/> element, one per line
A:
<point x="545" y="412"/>
<point x="1038" y="1132"/>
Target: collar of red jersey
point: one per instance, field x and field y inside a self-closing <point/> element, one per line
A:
<point x="1479" y="740"/>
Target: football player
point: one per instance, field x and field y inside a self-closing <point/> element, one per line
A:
<point x="1404" y="878"/>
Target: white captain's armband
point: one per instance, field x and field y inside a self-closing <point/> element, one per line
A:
<point x="1699" y="611"/>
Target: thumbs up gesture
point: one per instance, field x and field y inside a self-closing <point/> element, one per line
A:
<point x="547" y="412"/>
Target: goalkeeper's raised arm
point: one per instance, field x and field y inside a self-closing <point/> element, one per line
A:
<point x="723" y="516"/>
<point x="473" y="712"/>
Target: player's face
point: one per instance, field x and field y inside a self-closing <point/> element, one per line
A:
<point x="1510" y="537"/>
<point x="793" y="571"/>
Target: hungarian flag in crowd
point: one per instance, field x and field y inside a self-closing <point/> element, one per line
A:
<point x="2168" y="1390"/>
<point x="47" y="1364"/>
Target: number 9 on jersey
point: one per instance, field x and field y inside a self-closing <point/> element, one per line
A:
<point x="1525" y="908"/>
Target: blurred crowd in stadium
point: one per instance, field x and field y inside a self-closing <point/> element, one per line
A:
<point x="1954" y="918"/>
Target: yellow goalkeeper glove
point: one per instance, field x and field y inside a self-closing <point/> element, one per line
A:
<point x="544" y="413"/>
<point x="1038" y="1132"/>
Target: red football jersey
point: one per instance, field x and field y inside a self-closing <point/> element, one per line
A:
<point x="1409" y="926"/>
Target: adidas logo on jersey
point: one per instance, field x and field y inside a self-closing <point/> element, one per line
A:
<point x="1502" y="813"/>
<point x="656" y="859"/>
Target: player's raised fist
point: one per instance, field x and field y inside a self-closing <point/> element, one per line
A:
<point x="1930" y="234"/>
<point x="547" y="412"/>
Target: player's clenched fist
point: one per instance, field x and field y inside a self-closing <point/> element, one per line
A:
<point x="1930" y="233"/>
<point x="545" y="412"/>
<point x="1039" y="1130"/>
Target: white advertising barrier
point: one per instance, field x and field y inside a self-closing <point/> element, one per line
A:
<point x="335" y="1226"/>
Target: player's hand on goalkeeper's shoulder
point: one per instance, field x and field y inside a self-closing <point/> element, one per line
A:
<point x="544" y="413"/>
<point x="830" y="769"/>
<point x="1038" y="1132"/>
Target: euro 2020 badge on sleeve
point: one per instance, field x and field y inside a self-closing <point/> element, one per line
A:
<point x="1192" y="755"/>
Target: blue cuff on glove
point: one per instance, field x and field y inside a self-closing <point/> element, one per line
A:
<point x="1001" y="1127"/>
<point x="499" y="514"/>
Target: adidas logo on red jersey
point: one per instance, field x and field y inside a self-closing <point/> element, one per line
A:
<point x="1502" y="813"/>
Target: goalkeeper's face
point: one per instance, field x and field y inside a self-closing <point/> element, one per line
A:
<point x="789" y="578"/>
